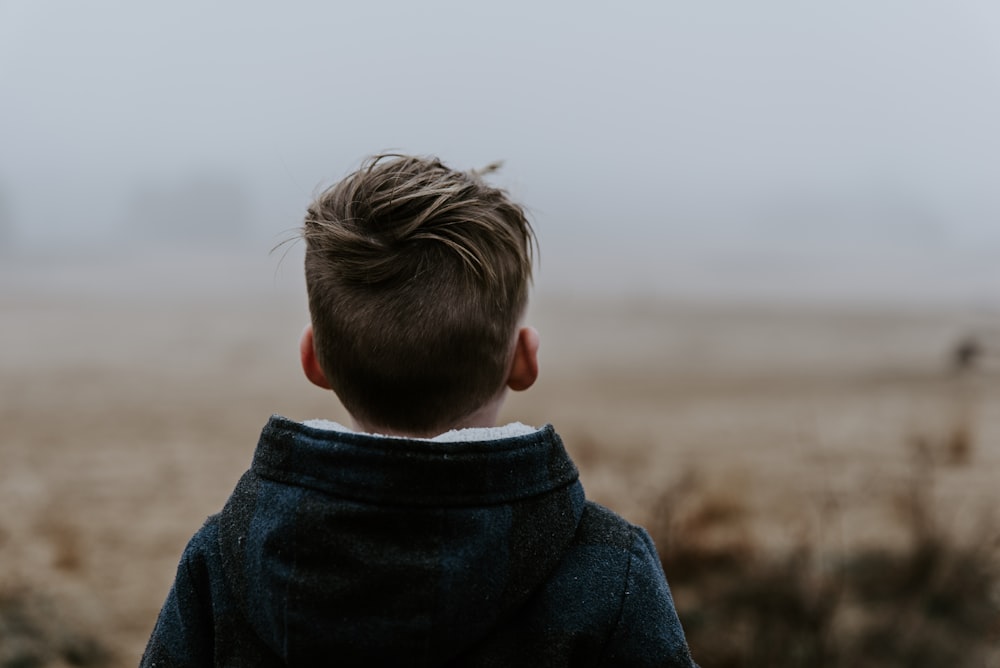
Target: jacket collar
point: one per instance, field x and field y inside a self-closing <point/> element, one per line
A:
<point x="389" y="470"/>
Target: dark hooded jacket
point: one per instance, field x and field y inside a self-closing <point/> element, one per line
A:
<point x="343" y="549"/>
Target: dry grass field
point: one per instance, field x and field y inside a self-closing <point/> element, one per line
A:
<point x="131" y="398"/>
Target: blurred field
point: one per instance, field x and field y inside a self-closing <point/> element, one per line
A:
<point x="131" y="397"/>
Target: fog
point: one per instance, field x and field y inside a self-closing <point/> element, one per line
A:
<point x="839" y="149"/>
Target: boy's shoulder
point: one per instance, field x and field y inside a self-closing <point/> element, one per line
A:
<point x="606" y="553"/>
<point x="603" y="526"/>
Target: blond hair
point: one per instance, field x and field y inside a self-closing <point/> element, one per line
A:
<point x="417" y="277"/>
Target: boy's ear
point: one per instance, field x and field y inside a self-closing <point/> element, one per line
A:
<point x="524" y="370"/>
<point x="310" y="365"/>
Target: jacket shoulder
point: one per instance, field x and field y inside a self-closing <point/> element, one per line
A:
<point x="606" y="604"/>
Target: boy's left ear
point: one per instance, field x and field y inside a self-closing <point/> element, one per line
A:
<point x="524" y="369"/>
<point x="310" y="365"/>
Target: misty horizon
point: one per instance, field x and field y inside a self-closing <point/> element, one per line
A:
<point x="766" y="138"/>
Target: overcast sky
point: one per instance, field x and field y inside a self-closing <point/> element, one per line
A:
<point x="642" y="123"/>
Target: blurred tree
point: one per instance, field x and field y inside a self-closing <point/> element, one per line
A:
<point x="6" y="224"/>
<point x="210" y="209"/>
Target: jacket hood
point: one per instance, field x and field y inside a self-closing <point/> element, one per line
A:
<point x="390" y="550"/>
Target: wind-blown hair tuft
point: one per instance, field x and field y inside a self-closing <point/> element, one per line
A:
<point x="417" y="277"/>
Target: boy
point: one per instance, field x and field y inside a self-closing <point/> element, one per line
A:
<point x="426" y="536"/>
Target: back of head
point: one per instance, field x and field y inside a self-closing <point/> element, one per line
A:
<point x="417" y="277"/>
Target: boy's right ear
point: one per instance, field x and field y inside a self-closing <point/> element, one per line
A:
<point x="524" y="368"/>
<point x="310" y="365"/>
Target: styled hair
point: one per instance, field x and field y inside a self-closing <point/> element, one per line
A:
<point x="417" y="277"/>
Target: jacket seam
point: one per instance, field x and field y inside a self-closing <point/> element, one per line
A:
<point x="624" y="595"/>
<point x="196" y="592"/>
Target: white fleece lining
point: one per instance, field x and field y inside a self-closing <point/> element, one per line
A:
<point x="453" y="436"/>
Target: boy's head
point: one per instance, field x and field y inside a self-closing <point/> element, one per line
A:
<point x="417" y="277"/>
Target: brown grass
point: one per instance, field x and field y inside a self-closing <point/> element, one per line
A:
<point x="38" y="630"/>
<point x="130" y="408"/>
<point x="930" y="602"/>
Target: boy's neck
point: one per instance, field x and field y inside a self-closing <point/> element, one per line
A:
<point x="486" y="416"/>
